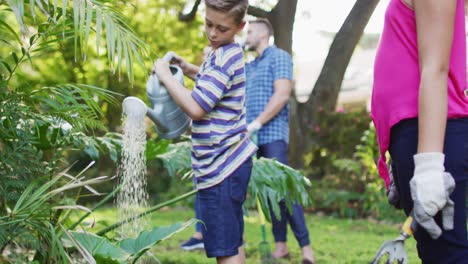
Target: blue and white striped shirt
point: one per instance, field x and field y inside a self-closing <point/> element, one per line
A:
<point x="219" y="141"/>
<point x="261" y="73"/>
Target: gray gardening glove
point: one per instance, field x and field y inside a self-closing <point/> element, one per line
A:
<point x="253" y="127"/>
<point x="430" y="190"/>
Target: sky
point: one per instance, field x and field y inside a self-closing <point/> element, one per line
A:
<point x="314" y="16"/>
<point x="310" y="48"/>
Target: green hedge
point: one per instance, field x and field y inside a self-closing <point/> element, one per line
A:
<point x="341" y="165"/>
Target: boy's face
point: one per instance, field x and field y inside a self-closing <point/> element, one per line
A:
<point x="220" y="28"/>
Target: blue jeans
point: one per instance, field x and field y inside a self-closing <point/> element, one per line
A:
<point x="452" y="246"/>
<point x="221" y="212"/>
<point x="279" y="150"/>
<point x="198" y="225"/>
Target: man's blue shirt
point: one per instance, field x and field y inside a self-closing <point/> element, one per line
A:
<point x="261" y="74"/>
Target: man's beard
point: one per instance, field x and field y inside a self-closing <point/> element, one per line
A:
<point x="250" y="47"/>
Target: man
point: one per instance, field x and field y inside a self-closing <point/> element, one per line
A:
<point x="268" y="87"/>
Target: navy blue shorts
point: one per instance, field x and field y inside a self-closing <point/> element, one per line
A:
<point x="222" y="215"/>
<point x="452" y="246"/>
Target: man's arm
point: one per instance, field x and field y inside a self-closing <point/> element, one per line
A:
<point x="281" y="94"/>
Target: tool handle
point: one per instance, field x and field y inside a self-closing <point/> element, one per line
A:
<point x="262" y="219"/>
<point x="407" y="226"/>
<point x="410" y="225"/>
<point x="260" y="212"/>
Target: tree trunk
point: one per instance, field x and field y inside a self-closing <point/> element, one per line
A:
<point x="326" y="89"/>
<point x="282" y="20"/>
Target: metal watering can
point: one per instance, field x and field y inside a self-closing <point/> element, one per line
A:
<point x="170" y="120"/>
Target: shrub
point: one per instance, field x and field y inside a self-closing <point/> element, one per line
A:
<point x="349" y="184"/>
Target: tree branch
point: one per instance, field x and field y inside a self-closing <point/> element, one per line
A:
<point x="191" y="15"/>
<point x="257" y="12"/>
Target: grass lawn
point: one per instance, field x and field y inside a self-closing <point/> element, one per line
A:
<point x="333" y="240"/>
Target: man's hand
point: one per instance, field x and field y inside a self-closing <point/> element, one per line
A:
<point x="430" y="190"/>
<point x="253" y="127"/>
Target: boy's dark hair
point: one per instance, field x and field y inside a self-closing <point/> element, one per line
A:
<point x="264" y="22"/>
<point x="236" y="8"/>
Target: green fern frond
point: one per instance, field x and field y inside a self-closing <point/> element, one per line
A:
<point x="86" y="16"/>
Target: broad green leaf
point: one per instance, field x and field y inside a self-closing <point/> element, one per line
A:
<point x="101" y="247"/>
<point x="148" y="239"/>
<point x="177" y="158"/>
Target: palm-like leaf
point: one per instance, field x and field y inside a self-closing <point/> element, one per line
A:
<point x="273" y="181"/>
<point x="89" y="15"/>
<point x="76" y="104"/>
<point x="177" y="158"/>
<point x="30" y="219"/>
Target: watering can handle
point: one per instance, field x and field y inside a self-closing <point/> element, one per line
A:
<point x="169" y="56"/>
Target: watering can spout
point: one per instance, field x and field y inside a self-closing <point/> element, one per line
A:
<point x="155" y="118"/>
<point x="134" y="107"/>
<point x="170" y="120"/>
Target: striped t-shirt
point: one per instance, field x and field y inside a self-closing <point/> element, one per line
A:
<point x="219" y="140"/>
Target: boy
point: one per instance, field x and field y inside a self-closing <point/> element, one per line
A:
<point x="221" y="149"/>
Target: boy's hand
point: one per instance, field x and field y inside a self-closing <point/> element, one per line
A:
<point x="430" y="190"/>
<point x="161" y="69"/>
<point x="179" y="61"/>
<point x="188" y="69"/>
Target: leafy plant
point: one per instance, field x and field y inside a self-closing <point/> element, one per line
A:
<point x="270" y="180"/>
<point x="78" y="18"/>
<point x="337" y="135"/>
<point x="41" y="123"/>
<point x="127" y="250"/>
<point x="35" y="221"/>
<point x="356" y="190"/>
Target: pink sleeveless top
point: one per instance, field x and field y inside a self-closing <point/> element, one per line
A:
<point x="397" y="77"/>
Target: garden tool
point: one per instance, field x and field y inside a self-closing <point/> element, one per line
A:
<point x="395" y="249"/>
<point x="169" y="118"/>
<point x="264" y="246"/>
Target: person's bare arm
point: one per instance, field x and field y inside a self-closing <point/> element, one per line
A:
<point x="281" y="94"/>
<point x="435" y="23"/>
<point x="178" y="92"/>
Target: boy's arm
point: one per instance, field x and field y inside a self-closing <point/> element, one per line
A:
<point x="179" y="93"/>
